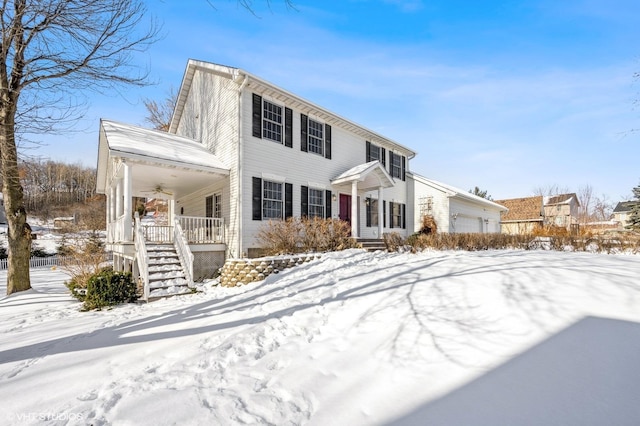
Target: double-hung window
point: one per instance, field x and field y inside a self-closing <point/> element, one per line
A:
<point x="316" y="137"/>
<point x="272" y="200"/>
<point x="376" y="153"/>
<point x="272" y="121"/>
<point x="316" y="203"/>
<point x="396" y="165"/>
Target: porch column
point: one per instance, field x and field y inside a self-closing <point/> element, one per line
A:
<point x="380" y="213"/>
<point x="127" y="209"/>
<point x="354" y="209"/>
<point x="118" y="206"/>
<point x="111" y="204"/>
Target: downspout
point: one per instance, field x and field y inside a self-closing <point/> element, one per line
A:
<point x="245" y="80"/>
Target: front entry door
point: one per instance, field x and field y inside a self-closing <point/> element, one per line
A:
<point x="345" y="208"/>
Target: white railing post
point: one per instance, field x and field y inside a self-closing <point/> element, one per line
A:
<point x="142" y="257"/>
<point x="184" y="252"/>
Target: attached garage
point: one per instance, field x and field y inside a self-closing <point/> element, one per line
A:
<point x="454" y="210"/>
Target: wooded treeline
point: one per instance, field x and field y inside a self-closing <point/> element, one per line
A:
<point x="52" y="188"/>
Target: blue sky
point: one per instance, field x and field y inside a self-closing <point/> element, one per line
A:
<point x="505" y="95"/>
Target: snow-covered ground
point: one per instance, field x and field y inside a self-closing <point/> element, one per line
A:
<point x="437" y="338"/>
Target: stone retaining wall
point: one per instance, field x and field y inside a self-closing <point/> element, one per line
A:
<point x="244" y="271"/>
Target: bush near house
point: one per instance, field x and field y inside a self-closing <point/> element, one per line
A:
<point x="105" y="288"/>
<point x="473" y="242"/>
<point x="305" y="235"/>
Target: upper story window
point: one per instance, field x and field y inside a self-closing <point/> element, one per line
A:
<point x="397" y="166"/>
<point x="376" y="153"/>
<point x="316" y="138"/>
<point x="272" y="121"/>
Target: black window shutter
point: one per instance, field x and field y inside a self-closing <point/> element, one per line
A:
<point x="368" y="204"/>
<point x="404" y="216"/>
<point x="391" y="154"/>
<point x="383" y="155"/>
<point x="390" y="214"/>
<point x="368" y="152"/>
<point x="384" y="213"/>
<point x="257" y="116"/>
<point x="327" y="204"/>
<point x="327" y="141"/>
<point x="288" y="200"/>
<point x="304" y="201"/>
<point x="257" y="198"/>
<point x="404" y="163"/>
<point x="288" y="127"/>
<point x="303" y="132"/>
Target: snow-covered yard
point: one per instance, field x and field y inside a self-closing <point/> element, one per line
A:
<point x="438" y="338"/>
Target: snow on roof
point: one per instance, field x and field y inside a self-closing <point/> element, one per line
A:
<point x="136" y="141"/>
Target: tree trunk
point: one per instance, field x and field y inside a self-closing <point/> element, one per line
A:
<point x="19" y="234"/>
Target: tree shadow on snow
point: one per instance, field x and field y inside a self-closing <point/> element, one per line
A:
<point x="587" y="374"/>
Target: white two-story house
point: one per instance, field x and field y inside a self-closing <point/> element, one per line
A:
<point x="241" y="151"/>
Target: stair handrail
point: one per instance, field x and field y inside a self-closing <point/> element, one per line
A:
<point x="184" y="252"/>
<point x="142" y="257"/>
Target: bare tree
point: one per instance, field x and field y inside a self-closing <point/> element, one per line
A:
<point x="585" y="198"/>
<point x="51" y="51"/>
<point x="550" y="190"/>
<point x="159" y="114"/>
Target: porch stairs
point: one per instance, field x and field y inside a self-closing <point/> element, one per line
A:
<point x="372" y="244"/>
<point x="166" y="276"/>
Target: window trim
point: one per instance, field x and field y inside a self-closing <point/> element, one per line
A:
<point x="319" y="196"/>
<point x="314" y="140"/>
<point x="268" y="120"/>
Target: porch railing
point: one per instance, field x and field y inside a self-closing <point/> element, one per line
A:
<point x="115" y="231"/>
<point x="202" y="229"/>
<point x="183" y="251"/>
<point x="158" y="233"/>
<point x="142" y="257"/>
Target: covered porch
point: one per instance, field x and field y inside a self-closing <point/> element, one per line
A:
<point x="136" y="164"/>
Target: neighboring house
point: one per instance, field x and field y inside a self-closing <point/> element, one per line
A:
<point x="454" y="210"/>
<point x="241" y="151"/>
<point x="527" y="214"/>
<point x="524" y="215"/>
<point x="622" y="213"/>
<point x="561" y="210"/>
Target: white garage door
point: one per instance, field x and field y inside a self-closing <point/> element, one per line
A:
<point x="468" y="225"/>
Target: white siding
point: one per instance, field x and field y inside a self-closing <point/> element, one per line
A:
<point x="439" y="205"/>
<point x="265" y="157"/>
<point x="211" y="115"/>
<point x="446" y="205"/>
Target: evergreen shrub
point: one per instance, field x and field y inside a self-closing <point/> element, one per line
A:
<point x="105" y="288"/>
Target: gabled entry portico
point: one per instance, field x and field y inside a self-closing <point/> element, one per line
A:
<point x="364" y="177"/>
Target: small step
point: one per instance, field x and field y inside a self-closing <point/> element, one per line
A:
<point x="168" y="292"/>
<point x="169" y="282"/>
<point x="372" y="244"/>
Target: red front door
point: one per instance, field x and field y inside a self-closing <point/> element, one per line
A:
<point x="345" y="208"/>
